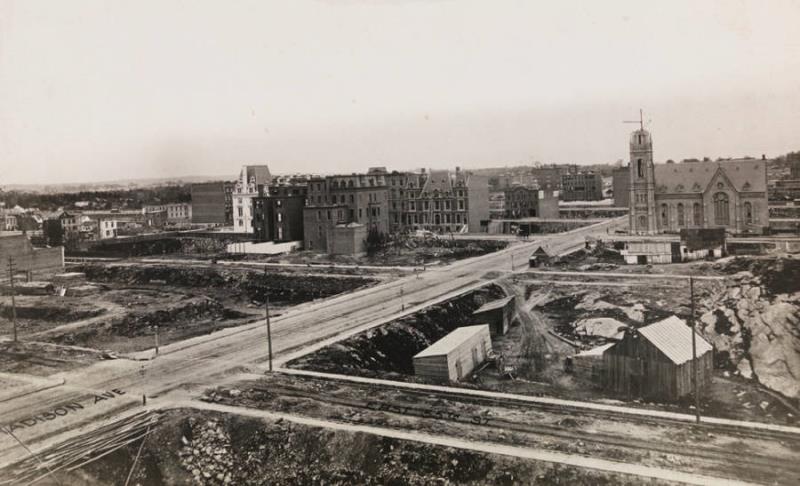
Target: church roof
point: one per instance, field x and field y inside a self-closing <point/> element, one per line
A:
<point x="746" y="175"/>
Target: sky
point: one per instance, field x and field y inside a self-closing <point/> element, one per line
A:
<point x="106" y="90"/>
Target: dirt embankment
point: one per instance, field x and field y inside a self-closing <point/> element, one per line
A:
<point x="285" y="289"/>
<point x="390" y="348"/>
<point x="205" y="448"/>
<point x="754" y="322"/>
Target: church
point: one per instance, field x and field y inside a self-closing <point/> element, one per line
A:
<point x="665" y="198"/>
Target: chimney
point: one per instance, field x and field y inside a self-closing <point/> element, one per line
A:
<point x="763" y="157"/>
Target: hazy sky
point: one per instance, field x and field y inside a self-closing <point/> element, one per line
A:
<point x="98" y="90"/>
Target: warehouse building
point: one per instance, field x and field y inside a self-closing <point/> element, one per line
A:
<point x="454" y="356"/>
<point x="655" y="361"/>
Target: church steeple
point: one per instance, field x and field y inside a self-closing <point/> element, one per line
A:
<point x="642" y="211"/>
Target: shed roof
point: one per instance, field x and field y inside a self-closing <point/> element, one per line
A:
<point x="674" y="338"/>
<point x="450" y="342"/>
<point x="597" y="351"/>
<point x="495" y="304"/>
<point x="540" y="251"/>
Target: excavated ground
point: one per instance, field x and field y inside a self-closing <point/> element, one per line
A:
<point x="129" y="302"/>
<point x="387" y="351"/>
<point x="210" y="448"/>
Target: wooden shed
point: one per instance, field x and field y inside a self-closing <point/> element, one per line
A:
<point x="539" y="258"/>
<point x="497" y="313"/>
<point x="655" y="361"/>
<point x="455" y="355"/>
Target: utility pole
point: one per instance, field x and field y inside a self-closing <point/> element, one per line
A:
<point x="269" y="329"/>
<point x="11" y="271"/>
<point x="156" y="339"/>
<point x="402" y="304"/>
<point x="694" y="353"/>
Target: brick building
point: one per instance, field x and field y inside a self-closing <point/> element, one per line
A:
<point x="621" y="186"/>
<point x="343" y="199"/>
<point x="581" y="186"/>
<point x="526" y="202"/>
<point x="440" y="201"/>
<point x="278" y="213"/>
<point x="212" y="203"/>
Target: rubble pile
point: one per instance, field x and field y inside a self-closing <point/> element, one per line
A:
<point x="210" y="448"/>
<point x="754" y="323"/>
<point x="391" y="347"/>
<point x="281" y="287"/>
<point x="207" y="455"/>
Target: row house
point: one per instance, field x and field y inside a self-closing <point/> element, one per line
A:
<point x="440" y="201"/>
<point x="278" y="212"/>
<point x="350" y="202"/>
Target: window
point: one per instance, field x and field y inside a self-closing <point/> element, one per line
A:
<point x="697" y="211"/>
<point x="721" y="208"/>
<point x="748" y="212"/>
<point x="280" y="217"/>
<point x="640" y="167"/>
<point x="352" y="199"/>
<point x="664" y="215"/>
<point x="642" y="222"/>
<point x="681" y="216"/>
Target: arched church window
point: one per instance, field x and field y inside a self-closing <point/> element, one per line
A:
<point x="748" y="212"/>
<point x="698" y="214"/>
<point x="721" y="208"/>
<point x="642" y="222"/>
<point x="639" y="167"/>
<point x="681" y="215"/>
<point x="664" y="216"/>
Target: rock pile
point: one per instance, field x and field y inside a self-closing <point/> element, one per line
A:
<point x="207" y="455"/>
<point x="757" y="332"/>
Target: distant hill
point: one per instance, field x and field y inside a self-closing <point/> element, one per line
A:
<point x="112" y="185"/>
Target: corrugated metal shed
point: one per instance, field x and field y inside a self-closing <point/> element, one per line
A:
<point x="674" y="338"/>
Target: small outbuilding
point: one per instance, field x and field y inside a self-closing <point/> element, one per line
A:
<point x="655" y="361"/>
<point x="539" y="258"/>
<point x="497" y="313"/>
<point x="455" y="355"/>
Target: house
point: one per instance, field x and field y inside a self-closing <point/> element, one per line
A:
<point x="497" y="314"/>
<point x="539" y="258"/>
<point x="454" y="356"/>
<point x="655" y="361"/>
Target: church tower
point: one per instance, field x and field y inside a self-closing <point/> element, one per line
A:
<point x="642" y="209"/>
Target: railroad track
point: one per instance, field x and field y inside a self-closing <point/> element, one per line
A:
<point x="78" y="452"/>
<point x="720" y="459"/>
<point x="733" y="430"/>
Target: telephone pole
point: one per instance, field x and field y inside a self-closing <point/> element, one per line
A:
<point x="266" y="308"/>
<point x="11" y="271"/>
<point x="694" y="352"/>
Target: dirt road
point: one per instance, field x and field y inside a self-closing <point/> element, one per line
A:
<point x="37" y="420"/>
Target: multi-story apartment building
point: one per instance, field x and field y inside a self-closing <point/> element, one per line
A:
<point x="581" y="186"/>
<point x="344" y="200"/>
<point x="245" y="190"/>
<point x="212" y="203"/>
<point x="278" y="212"/>
<point x="441" y="201"/>
<point x="526" y="202"/>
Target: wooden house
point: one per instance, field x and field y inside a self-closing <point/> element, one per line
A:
<point x="497" y="313"/>
<point x="539" y="258"/>
<point x="455" y="355"/>
<point x="655" y="361"/>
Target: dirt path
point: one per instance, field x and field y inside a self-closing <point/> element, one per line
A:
<point x="112" y="310"/>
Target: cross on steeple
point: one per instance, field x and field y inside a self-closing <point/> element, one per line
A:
<point x="640" y="121"/>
